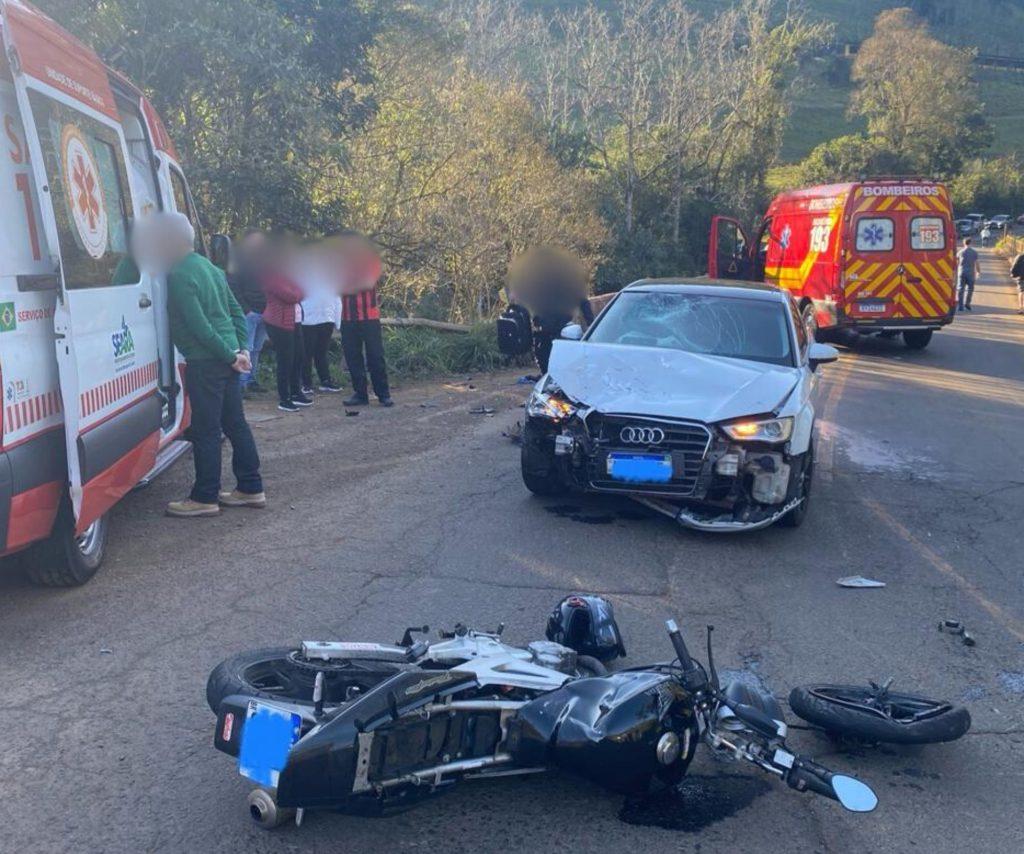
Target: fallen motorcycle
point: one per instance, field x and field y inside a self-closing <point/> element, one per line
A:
<point x="365" y="727"/>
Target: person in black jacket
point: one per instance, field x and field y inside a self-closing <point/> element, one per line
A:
<point x="552" y="284"/>
<point x="246" y="282"/>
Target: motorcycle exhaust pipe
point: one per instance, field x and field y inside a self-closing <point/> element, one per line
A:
<point x="264" y="809"/>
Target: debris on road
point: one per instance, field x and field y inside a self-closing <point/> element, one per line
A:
<point x="481" y="410"/>
<point x="956" y="627"/>
<point x="351" y="412"/>
<point x="859" y="581"/>
<point x="529" y="379"/>
<point x="105" y="651"/>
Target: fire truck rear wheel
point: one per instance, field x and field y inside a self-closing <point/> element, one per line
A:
<point x="67" y="560"/>
<point x="917" y="339"/>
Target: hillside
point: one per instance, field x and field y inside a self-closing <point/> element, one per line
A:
<point x="988" y="26"/>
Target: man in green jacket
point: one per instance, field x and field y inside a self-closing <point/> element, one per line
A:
<point x="208" y="327"/>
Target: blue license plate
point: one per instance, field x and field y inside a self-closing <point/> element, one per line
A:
<point x="267" y="738"/>
<point x="640" y="468"/>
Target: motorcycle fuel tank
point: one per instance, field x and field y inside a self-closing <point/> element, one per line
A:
<point x="607" y="729"/>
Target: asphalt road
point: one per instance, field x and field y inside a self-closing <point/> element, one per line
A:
<point x="417" y="515"/>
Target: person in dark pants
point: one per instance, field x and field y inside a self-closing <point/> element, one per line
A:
<point x="547" y="327"/>
<point x="283" y="299"/>
<point x="321" y="312"/>
<point x="363" y="344"/>
<point x="208" y="327"/>
<point x="362" y="341"/>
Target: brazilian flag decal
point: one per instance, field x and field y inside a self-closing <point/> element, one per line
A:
<point x="8" y="319"/>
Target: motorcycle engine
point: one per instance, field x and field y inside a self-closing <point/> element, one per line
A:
<point x="554" y="656"/>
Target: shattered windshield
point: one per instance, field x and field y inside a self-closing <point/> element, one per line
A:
<point x="716" y="326"/>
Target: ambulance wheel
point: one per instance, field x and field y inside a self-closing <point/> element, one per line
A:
<point x="265" y="812"/>
<point x="67" y="559"/>
<point x="917" y="339"/>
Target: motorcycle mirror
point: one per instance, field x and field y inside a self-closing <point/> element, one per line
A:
<point x="853" y="794"/>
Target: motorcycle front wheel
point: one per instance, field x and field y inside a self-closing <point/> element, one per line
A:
<point x="281" y="673"/>
<point x="878" y="715"/>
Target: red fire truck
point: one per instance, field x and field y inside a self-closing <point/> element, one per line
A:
<point x="873" y="256"/>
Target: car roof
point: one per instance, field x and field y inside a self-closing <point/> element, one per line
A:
<point x="711" y="287"/>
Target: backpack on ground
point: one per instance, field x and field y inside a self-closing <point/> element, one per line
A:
<point x="515" y="335"/>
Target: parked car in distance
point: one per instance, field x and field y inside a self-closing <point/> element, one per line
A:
<point x="978" y="220"/>
<point x="965" y="227"/>
<point x="691" y="396"/>
<point x="999" y="221"/>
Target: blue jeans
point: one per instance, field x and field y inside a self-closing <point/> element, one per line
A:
<point x="257" y="338"/>
<point x="966" y="290"/>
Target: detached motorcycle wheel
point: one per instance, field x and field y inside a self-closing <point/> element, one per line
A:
<point x="280" y="673"/>
<point x="871" y="715"/>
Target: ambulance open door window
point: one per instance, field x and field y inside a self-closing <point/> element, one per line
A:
<point x="88" y="183"/>
<point x="183" y="204"/>
<point x="732" y="250"/>
<point x="927" y="233"/>
<point x="875" y="234"/>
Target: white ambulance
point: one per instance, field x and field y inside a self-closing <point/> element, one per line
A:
<point x="93" y="401"/>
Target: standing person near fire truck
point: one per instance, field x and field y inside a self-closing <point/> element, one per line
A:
<point x="361" y="338"/>
<point x="967" y="272"/>
<point x="208" y="327"/>
<point x="1017" y="272"/>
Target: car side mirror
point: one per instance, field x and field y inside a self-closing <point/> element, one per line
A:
<point x="820" y="354"/>
<point x="572" y="332"/>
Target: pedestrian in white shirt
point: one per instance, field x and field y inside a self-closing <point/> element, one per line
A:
<point x="321" y="315"/>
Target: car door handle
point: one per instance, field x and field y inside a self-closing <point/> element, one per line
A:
<point x="145" y="301"/>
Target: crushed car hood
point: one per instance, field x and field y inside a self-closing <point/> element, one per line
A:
<point x="667" y="383"/>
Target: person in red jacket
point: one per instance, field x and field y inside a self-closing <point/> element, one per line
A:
<point x="283" y="298"/>
<point x="361" y="338"/>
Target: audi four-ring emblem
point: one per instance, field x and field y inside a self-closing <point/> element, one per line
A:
<point x="642" y="435"/>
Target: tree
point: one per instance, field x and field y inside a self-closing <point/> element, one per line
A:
<point x="918" y="95"/>
<point x="254" y="92"/>
<point x="849" y="158"/>
<point x="453" y="178"/>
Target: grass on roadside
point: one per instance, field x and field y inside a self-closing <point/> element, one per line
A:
<point x="415" y="353"/>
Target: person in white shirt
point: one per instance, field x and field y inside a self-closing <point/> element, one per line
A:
<point x="321" y="315"/>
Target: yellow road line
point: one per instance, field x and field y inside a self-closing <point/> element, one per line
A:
<point x="1012" y="625"/>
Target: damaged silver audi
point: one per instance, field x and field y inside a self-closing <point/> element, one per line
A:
<point x="692" y="397"/>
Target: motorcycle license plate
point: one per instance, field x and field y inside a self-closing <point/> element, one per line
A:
<point x="871" y="307"/>
<point x="267" y="737"/>
<point x="640" y="468"/>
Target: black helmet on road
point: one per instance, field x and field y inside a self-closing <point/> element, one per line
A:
<point x="586" y="624"/>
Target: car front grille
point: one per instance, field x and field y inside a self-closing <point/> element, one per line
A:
<point x="686" y="441"/>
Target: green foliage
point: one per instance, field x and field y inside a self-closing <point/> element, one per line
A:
<point x="993" y="185"/>
<point x="421" y="352"/>
<point x="849" y="158"/>
<point x="918" y="95"/>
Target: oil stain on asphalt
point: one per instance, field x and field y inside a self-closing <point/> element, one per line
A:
<point x="578" y="514"/>
<point x="572" y="511"/>
<point x="697" y="802"/>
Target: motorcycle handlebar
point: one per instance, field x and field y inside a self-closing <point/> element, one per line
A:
<point x="809" y="776"/>
<point x="682" y="653"/>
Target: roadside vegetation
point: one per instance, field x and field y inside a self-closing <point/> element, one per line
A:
<point x="458" y="133"/>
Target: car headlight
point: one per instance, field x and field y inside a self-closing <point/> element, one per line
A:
<point x="550" y="405"/>
<point x="768" y="430"/>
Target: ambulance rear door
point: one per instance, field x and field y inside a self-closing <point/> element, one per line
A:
<point x="729" y="251"/>
<point x="103" y="322"/>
